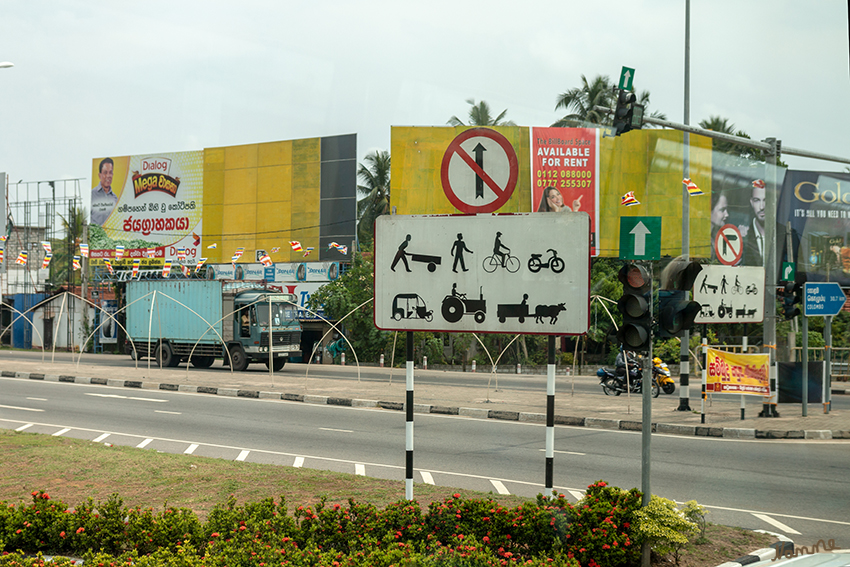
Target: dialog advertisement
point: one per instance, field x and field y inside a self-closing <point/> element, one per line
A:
<point x="146" y="207"/>
<point x="731" y="373"/>
<point x="565" y="173"/>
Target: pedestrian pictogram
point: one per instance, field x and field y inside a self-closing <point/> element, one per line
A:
<point x="479" y="171"/>
<point x="729" y="245"/>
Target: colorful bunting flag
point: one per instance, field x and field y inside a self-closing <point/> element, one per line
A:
<point x="2" y="252"/>
<point x="275" y="249"/>
<point x="22" y="258"/>
<point x="185" y="269"/>
<point x="150" y="252"/>
<point x="239" y="252"/>
<point x="46" y="261"/>
<point x="265" y="260"/>
<point x="693" y="190"/>
<point x="3" y="238"/>
<point x="212" y="246"/>
<point x="629" y="199"/>
<point x="119" y="252"/>
<point x="108" y="266"/>
<point x="84" y="250"/>
<point x="308" y="250"/>
<point x="233" y="260"/>
<point x="47" y="248"/>
<point x="166" y="268"/>
<point x="136" y="263"/>
<point x="759" y="184"/>
<point x="296" y="246"/>
<point x="77" y="263"/>
<point x="339" y="247"/>
<point x="200" y="263"/>
<point x="181" y="254"/>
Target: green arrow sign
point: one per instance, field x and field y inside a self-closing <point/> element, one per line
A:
<point x="640" y="238"/>
<point x="627" y="77"/>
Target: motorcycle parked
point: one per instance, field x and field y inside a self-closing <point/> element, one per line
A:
<point x="614" y="382"/>
<point x="662" y="375"/>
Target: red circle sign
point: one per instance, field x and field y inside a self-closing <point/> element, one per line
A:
<point x="479" y="166"/>
<point x="728" y="245"/>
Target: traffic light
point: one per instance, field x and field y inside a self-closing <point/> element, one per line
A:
<point x="624" y="112"/>
<point x="676" y="311"/>
<point x="791" y="295"/>
<point x="635" y="306"/>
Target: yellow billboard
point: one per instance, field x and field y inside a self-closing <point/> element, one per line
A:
<point x="648" y="163"/>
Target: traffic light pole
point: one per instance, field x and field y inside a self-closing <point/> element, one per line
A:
<point x="769" y="340"/>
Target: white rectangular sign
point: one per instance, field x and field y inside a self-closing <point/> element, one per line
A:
<point x="522" y="273"/>
<point x="730" y="294"/>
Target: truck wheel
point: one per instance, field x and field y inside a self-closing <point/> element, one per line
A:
<point x="479" y="316"/>
<point x="277" y="364"/>
<point x="164" y="356"/>
<point x="202" y="361"/>
<point x="240" y="361"/>
<point x="452" y="309"/>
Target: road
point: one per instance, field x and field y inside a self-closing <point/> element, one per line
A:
<point x="784" y="487"/>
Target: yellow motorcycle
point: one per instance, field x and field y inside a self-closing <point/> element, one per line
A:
<point x="662" y="376"/>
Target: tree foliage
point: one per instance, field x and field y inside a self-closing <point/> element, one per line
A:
<point x="375" y="190"/>
<point x="480" y="115"/>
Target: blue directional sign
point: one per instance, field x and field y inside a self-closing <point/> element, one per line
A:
<point x="823" y="298"/>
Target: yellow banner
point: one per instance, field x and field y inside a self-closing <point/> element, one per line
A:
<point x="730" y="373"/>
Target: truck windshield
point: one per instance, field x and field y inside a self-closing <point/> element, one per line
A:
<point x="282" y="313"/>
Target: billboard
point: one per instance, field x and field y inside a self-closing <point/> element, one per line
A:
<point x="152" y="201"/>
<point x="646" y="162"/>
<point x="730" y="373"/>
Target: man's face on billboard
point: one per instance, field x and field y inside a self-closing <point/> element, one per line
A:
<point x="757" y="202"/>
<point x="106" y="176"/>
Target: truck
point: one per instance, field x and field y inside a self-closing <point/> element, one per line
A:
<point x="200" y="321"/>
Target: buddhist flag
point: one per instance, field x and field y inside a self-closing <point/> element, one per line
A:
<point x="2" y="252"/>
<point x="150" y="252"/>
<point x="693" y="190"/>
<point x="119" y="252"/>
<point x="108" y="266"/>
<point x="46" y="261"/>
<point x="84" y="250"/>
<point x="136" y="263"/>
<point x="22" y="258"/>
<point x="3" y="238"/>
<point x="76" y="263"/>
<point x="200" y="263"/>
<point x="166" y="268"/>
<point x="47" y="248"/>
<point x="758" y="184"/>
<point x="629" y="199"/>
<point x="339" y="247"/>
<point x="275" y="249"/>
<point x="181" y="254"/>
<point x="239" y="252"/>
<point x="296" y="246"/>
<point x="307" y="251"/>
<point x="185" y="269"/>
<point x="265" y="260"/>
<point x="212" y="246"/>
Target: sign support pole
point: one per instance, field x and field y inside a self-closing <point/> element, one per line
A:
<point x="827" y="375"/>
<point x="408" y="427"/>
<point x="805" y="365"/>
<point x="550" y="416"/>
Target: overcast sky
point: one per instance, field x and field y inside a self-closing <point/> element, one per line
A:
<point x="95" y="78"/>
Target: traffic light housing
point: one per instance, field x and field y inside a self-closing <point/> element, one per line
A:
<point x="792" y="294"/>
<point x="635" y="306"/>
<point x="624" y="113"/>
<point x="676" y="311"/>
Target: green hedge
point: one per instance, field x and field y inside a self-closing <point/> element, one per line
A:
<point x="598" y="530"/>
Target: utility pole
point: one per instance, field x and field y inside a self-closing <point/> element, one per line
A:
<point x="684" y="354"/>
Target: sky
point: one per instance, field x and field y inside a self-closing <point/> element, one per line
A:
<point x="96" y="78"/>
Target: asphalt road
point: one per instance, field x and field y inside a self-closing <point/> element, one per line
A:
<point x="785" y="486"/>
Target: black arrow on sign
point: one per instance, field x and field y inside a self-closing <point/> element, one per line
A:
<point x="479" y="161"/>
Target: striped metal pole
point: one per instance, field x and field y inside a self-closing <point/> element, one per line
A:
<point x="550" y="415"/>
<point x="408" y="428"/>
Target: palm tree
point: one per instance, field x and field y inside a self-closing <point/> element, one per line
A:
<point x="580" y="102"/>
<point x="61" y="270"/>
<point x="376" y="192"/>
<point x="479" y="115"/>
<point x="723" y="126"/>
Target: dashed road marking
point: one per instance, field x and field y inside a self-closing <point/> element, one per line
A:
<point x="38" y="399"/>
<point x="360" y="470"/>
<point x="336" y="430"/>
<point x="299" y="462"/>
<point x="26" y="426"/>
<point x="22" y="409"/>
<point x="426" y="477"/>
<point x="500" y="487"/>
<point x="144" y="444"/>
<point x="776" y="524"/>
<point x="577" y="494"/>
<point x="168" y="412"/>
<point x="243" y="455"/>
<point x="190" y="449"/>
<point x="100" y="438"/>
<point x="62" y="432"/>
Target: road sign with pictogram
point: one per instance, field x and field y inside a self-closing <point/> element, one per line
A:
<point x="640" y="238"/>
<point x="479" y="171"/>
<point x="729" y="245"/>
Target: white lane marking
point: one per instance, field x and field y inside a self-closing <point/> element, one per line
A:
<point x="299" y="462"/>
<point x="144" y="443"/>
<point x="243" y="455"/>
<point x="62" y="432"/>
<point x="190" y="449"/>
<point x="38" y="399"/>
<point x="426" y="477"/>
<point x="20" y="408"/>
<point x="100" y="438"/>
<point x="337" y="430"/>
<point x="565" y="452"/>
<point x="577" y="494"/>
<point x="776" y="524"/>
<point x="25" y="426"/>
<point x="168" y="412"/>
<point x="500" y="487"/>
<point x="117" y="397"/>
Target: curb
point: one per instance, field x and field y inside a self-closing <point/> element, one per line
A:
<point x="784" y="545"/>
<point x="480" y="413"/>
